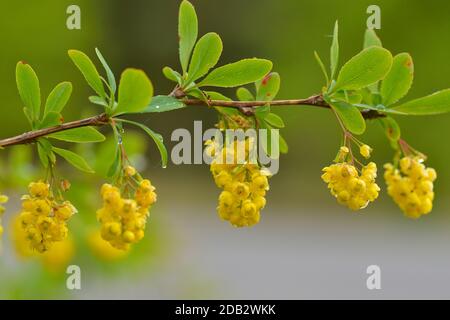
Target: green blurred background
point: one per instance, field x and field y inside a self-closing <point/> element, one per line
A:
<point x="306" y="246"/>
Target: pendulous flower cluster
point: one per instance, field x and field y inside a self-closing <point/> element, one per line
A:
<point x="43" y="218"/>
<point x="244" y="184"/>
<point x="411" y="186"/>
<point x="3" y="199"/>
<point x="124" y="219"/>
<point x="350" y="187"/>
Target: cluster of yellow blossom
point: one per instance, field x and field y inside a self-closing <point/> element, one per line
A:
<point x="102" y="249"/>
<point x="3" y="199"/>
<point x="411" y="187"/>
<point x="44" y="219"/>
<point x="55" y="259"/>
<point x="244" y="184"/>
<point x="351" y="188"/>
<point x="123" y="220"/>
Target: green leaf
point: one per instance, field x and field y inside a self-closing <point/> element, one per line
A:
<point x="171" y="74"/>
<point x="322" y="67"/>
<point x="391" y="127"/>
<point x="350" y="97"/>
<point x="29" y="91"/>
<point x="187" y="32"/>
<point x="156" y="137"/>
<point x="45" y="152"/>
<point x="109" y="73"/>
<point x="371" y="39"/>
<point x="436" y="103"/>
<point x="74" y="159"/>
<point x="268" y="87"/>
<point x="89" y="71"/>
<point x="350" y="116"/>
<point x="367" y="67"/>
<point x="58" y="98"/>
<point x="398" y="81"/>
<point x="284" y="148"/>
<point x="238" y="73"/>
<point x="98" y="101"/>
<point x="163" y="104"/>
<point x="206" y="54"/>
<point x="213" y="95"/>
<point x="135" y="91"/>
<point x="379" y="107"/>
<point x="243" y="94"/>
<point x="115" y="166"/>
<point x="274" y="120"/>
<point x="51" y="119"/>
<point x="262" y="112"/>
<point x="334" y="51"/>
<point x="79" y="135"/>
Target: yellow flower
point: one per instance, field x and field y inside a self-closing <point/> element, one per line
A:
<point x="43" y="219"/>
<point x="365" y="151"/>
<point x="244" y="185"/>
<point x="123" y="220"/>
<point x="411" y="186"/>
<point x="102" y="249"/>
<point x="3" y="199"/>
<point x="349" y="187"/>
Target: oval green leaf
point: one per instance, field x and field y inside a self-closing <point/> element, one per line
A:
<point x="350" y="116"/>
<point x="135" y="91"/>
<point x="74" y="159"/>
<point x="58" y="98"/>
<point x="436" y="103"/>
<point x="243" y="94"/>
<point x="267" y="88"/>
<point x="163" y="104"/>
<point x="238" y="73"/>
<point x="28" y="86"/>
<point x="398" y="81"/>
<point x="187" y="32"/>
<point x="367" y="67"/>
<point x="89" y="71"/>
<point x="206" y="54"/>
<point x="79" y="135"/>
<point x="274" y="120"/>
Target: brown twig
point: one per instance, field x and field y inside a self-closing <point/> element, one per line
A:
<point x="315" y="100"/>
<point x="32" y="136"/>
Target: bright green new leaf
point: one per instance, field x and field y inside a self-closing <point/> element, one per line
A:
<point x="398" y="81"/>
<point x="436" y="103"/>
<point x="238" y="73"/>
<point x="74" y="159"/>
<point x="274" y="120"/>
<point x="89" y="71"/>
<point x="163" y="104"/>
<point x="262" y="112"/>
<point x="156" y="137"/>
<point x="45" y="152"/>
<point x="206" y="54"/>
<point x="109" y="73"/>
<point x="135" y="92"/>
<point x="243" y="94"/>
<point x="98" y="101"/>
<point x="322" y="67"/>
<point x="187" y="32"/>
<point x="29" y="91"/>
<point x="171" y="74"/>
<point x="334" y="51"/>
<point x="371" y="39"/>
<point x="79" y="135"/>
<point x="58" y="98"/>
<point x="367" y="67"/>
<point x="284" y="148"/>
<point x="350" y="116"/>
<point x="267" y="88"/>
<point x="50" y="119"/>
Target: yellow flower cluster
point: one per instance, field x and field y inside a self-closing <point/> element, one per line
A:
<point x="244" y="185"/>
<point x="103" y="249"/>
<point x="350" y="188"/>
<point x="123" y="220"/>
<point x="3" y="199"/>
<point x="411" y="187"/>
<point x="44" y="219"/>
